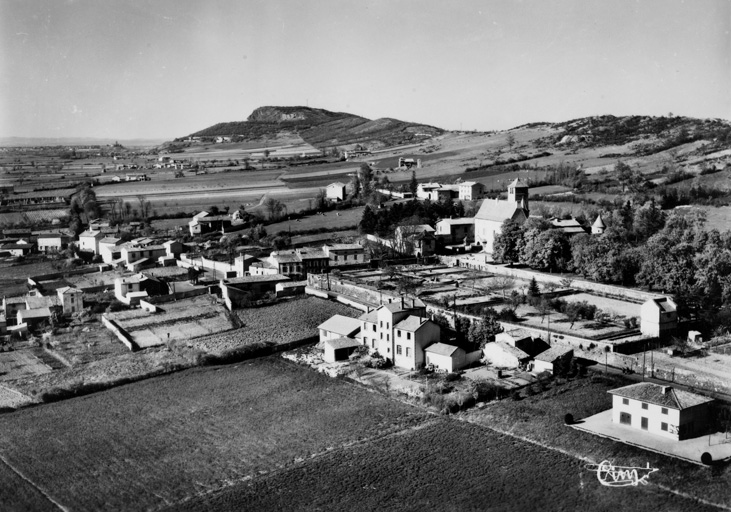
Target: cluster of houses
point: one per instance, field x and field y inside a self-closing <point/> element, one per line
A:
<point x="21" y="242"/>
<point x="36" y="309"/>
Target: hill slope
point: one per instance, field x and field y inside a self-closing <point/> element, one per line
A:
<point x="321" y="128"/>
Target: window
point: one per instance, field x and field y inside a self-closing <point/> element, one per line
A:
<point x="365" y="340"/>
<point x="664" y="426"/>
<point x="625" y="418"/>
<point x="408" y="335"/>
<point x="398" y="350"/>
<point x="625" y="401"/>
<point x="381" y="324"/>
<point x="408" y="351"/>
<point x="643" y="423"/>
<point x="644" y="406"/>
<point x="398" y="333"/>
<point x="388" y="337"/>
<point x="664" y="410"/>
<point x="387" y="326"/>
<point x="388" y="350"/>
<point x="374" y="342"/>
<point x="374" y="327"/>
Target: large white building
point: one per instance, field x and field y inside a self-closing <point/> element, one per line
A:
<point x="493" y="212"/>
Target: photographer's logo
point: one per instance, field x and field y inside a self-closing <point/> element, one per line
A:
<point x="620" y="476"/>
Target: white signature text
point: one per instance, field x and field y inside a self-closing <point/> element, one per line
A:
<point x="620" y="476"/>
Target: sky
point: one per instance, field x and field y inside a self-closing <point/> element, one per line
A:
<point x="161" y="69"/>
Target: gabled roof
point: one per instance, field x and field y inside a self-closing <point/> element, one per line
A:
<point x="499" y="211"/>
<point x="508" y="348"/>
<point x="340" y="324"/>
<point x="663" y="304"/>
<point x="91" y="233"/>
<point x="553" y="353"/>
<point x="371" y="316"/>
<point x="441" y="349"/>
<point x="336" y="184"/>
<point x="518" y="183"/>
<point x="411" y="323"/>
<point x="68" y="289"/>
<point x="110" y="240"/>
<point x="34" y="313"/>
<point x="452" y="222"/>
<point x="653" y="393"/>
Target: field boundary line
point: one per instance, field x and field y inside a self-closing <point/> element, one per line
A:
<point x="591" y="461"/>
<point x="44" y="493"/>
<point x="297" y="463"/>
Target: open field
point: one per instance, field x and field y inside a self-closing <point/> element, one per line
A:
<point x="156" y="442"/>
<point x="284" y="322"/>
<point x="448" y="465"/>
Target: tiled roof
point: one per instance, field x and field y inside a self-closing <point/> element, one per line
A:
<point x="553" y="353"/>
<point x="653" y="394"/>
<point x="371" y="316"/>
<point x="498" y="211"/>
<point x="510" y="349"/>
<point x="342" y="343"/>
<point x="411" y="323"/>
<point x="518" y="183"/>
<point x="34" y="313"/>
<point x="340" y="324"/>
<point x="441" y="349"/>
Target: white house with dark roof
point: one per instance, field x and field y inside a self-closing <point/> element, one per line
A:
<point x="493" y="212"/>
<point x="554" y="360"/>
<point x="339" y="326"/>
<point x="456" y="231"/>
<point x="52" y="241"/>
<point x="109" y="248"/>
<point x="658" y="317"/>
<point x="444" y="357"/>
<point x="338" y="349"/>
<point x="470" y="191"/>
<point x="345" y="254"/>
<point x="662" y="410"/>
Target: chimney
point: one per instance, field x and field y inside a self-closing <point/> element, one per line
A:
<point x="666" y="390"/>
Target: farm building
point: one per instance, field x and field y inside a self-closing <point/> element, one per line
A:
<point x="555" y="360"/>
<point x="238" y="290"/>
<point x="338" y="349"/>
<point x="658" y="317"/>
<point x="339" y="326"/>
<point x="203" y="222"/>
<point x="336" y="191"/>
<point x="444" y="193"/>
<point x="290" y="288"/>
<point x="493" y="212"/>
<point x="448" y="358"/>
<point x="501" y="354"/>
<point x="424" y="190"/>
<point x="19" y="248"/>
<point x="34" y="317"/>
<point x="418" y="240"/>
<point x="661" y="410"/>
<point x="295" y="264"/>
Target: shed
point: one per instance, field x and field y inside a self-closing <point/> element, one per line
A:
<point x="502" y="354"/>
<point x="555" y="360"/>
<point x="339" y="349"/>
<point x="339" y="326"/>
<point x="445" y="357"/>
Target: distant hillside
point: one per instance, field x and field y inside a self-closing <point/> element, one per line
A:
<point x="652" y="134"/>
<point x="321" y="128"/>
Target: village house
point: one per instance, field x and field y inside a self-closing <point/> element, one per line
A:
<point x="49" y="242"/>
<point x="89" y="241"/>
<point x="11" y="306"/>
<point x="344" y="254"/>
<point x="34" y="318"/>
<point x="470" y="191"/>
<point x="493" y="212"/>
<point x="418" y="240"/>
<point x="129" y="289"/>
<point x="338" y="349"/>
<point x="204" y="222"/>
<point x="109" y="249"/>
<point x="400" y="333"/>
<point x="659" y="317"/>
<point x="336" y="191"/>
<point x="71" y="300"/>
<point x="456" y="231"/>
<point x="136" y="257"/>
<point x="339" y="326"/>
<point x="295" y="264"/>
<point x="19" y="248"/>
<point x="661" y="410"/>
<point x="242" y="263"/>
<point x="424" y="190"/>
<point x="444" y="193"/>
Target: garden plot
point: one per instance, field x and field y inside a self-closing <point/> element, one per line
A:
<point x="21" y="363"/>
<point x="179" y="320"/>
<point x="280" y="323"/>
<point x="607" y="305"/>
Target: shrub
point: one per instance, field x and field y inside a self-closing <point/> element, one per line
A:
<point x="451" y="377"/>
<point x="706" y="459"/>
<point x="569" y="419"/>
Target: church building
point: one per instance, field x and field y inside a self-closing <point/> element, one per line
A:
<point x="493" y="212"/>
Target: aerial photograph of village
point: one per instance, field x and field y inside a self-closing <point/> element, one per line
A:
<point x="365" y="255"/>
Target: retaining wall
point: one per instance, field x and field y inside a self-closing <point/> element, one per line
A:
<point x="119" y="333"/>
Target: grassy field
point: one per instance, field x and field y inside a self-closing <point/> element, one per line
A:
<point x="156" y="442"/>
<point x="448" y="465"/>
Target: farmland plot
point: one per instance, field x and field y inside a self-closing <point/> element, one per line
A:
<point x="159" y="441"/>
<point x="448" y="465"/>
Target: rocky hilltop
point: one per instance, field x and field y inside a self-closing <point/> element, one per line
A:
<point x="321" y="128"/>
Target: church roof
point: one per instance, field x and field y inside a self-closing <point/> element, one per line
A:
<point x="518" y="183"/>
<point x="499" y="211"/>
